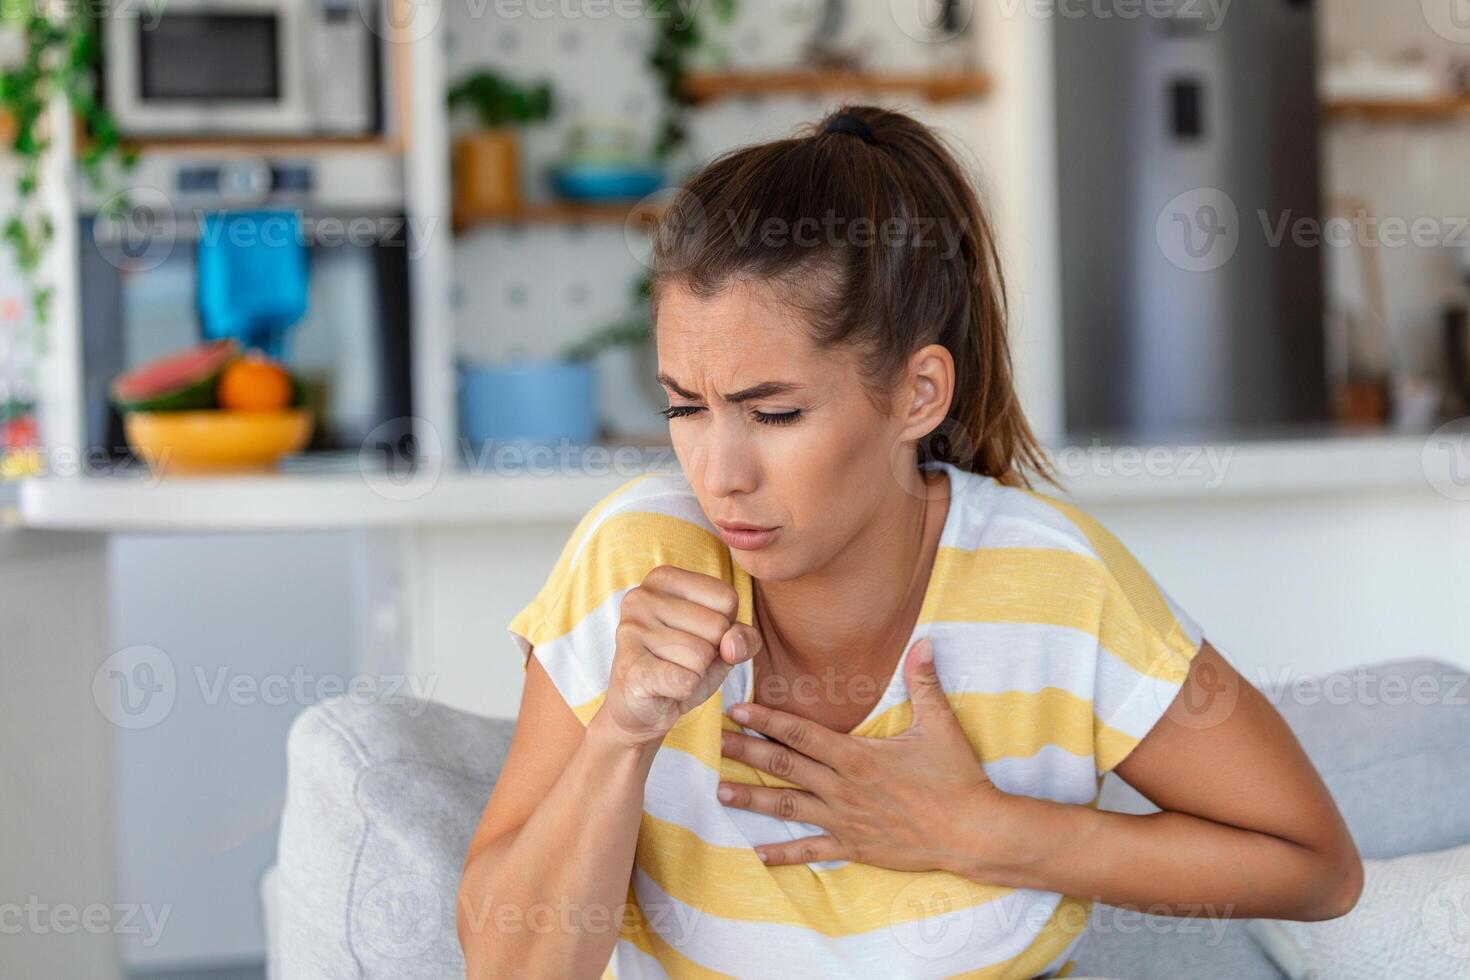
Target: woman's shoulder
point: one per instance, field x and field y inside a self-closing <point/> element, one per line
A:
<point x="648" y="520"/>
<point x="1059" y="547"/>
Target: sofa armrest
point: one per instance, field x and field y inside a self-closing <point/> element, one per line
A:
<point x="381" y="802"/>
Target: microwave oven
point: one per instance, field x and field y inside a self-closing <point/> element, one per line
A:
<point x="291" y="68"/>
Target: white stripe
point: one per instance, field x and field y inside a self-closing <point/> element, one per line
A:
<point x="931" y="946"/>
<point x="658" y="493"/>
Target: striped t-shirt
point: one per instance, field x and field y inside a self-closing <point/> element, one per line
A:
<point x="1055" y="647"/>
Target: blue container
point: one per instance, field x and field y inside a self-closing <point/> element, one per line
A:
<point x="535" y="402"/>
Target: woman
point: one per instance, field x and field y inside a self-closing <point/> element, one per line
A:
<point x="836" y="699"/>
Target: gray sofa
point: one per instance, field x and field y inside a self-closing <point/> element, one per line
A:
<point x="382" y="801"/>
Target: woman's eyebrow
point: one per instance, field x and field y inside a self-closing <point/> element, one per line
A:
<point x="763" y="390"/>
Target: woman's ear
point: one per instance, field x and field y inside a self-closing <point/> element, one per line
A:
<point x="931" y="389"/>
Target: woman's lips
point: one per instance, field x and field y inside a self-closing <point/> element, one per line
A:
<point x="747" y="540"/>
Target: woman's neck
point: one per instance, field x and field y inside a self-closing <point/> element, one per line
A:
<point x="849" y="618"/>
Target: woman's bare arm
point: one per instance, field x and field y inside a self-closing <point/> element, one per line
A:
<point x="1247" y="829"/>
<point x="544" y="897"/>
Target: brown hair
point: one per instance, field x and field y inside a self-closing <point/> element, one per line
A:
<point x="906" y="258"/>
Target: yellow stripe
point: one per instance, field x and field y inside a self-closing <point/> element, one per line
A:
<point x="1051" y="587"/>
<point x="528" y="619"/>
<point x="1010" y="724"/>
<point x="636" y="928"/>
<point x="624" y="549"/>
<point x="1067" y="921"/>
<point x="1133" y="579"/>
<point x="732" y="883"/>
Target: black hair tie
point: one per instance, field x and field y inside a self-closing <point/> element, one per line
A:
<point x="853" y="126"/>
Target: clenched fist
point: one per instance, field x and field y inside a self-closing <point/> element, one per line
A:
<point x="676" y="641"/>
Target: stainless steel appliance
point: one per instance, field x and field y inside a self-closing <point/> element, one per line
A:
<point x="246" y="67"/>
<point x="1188" y="153"/>
<point x="352" y="347"/>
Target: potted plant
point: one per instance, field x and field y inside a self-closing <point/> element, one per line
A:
<point x="487" y="161"/>
<point x="546" y="400"/>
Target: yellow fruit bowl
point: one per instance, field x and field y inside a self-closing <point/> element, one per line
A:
<point x="215" y="440"/>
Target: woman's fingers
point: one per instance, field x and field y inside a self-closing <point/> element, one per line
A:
<point x="780" y="802"/>
<point x="778" y="760"/>
<point x="803" y="850"/>
<point x="836" y="749"/>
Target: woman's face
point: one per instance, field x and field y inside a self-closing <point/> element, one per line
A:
<point x="815" y="460"/>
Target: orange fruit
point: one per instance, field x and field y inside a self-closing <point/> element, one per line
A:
<point x="254" y="384"/>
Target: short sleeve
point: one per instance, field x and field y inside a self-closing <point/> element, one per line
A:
<point x="571" y="624"/>
<point x="1145" y="643"/>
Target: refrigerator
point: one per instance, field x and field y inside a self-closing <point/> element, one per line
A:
<point x="1188" y="169"/>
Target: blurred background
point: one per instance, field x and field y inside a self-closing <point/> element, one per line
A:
<point x="323" y="321"/>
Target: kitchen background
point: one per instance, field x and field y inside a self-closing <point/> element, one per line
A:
<point x="1137" y="166"/>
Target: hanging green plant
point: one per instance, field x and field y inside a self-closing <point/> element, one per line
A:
<point x="681" y="33"/>
<point x="59" y="57"/>
<point x="633" y="327"/>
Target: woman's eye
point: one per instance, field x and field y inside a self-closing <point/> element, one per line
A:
<point x="767" y="418"/>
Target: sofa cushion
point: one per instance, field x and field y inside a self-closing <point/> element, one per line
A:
<point x="381" y="803"/>
<point x="382" y="800"/>
<point x="1384" y="751"/>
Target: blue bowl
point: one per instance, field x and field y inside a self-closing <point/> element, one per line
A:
<point x="535" y="402"/>
<point x="605" y="181"/>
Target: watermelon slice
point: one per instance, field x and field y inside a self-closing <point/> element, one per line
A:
<point x="178" y="382"/>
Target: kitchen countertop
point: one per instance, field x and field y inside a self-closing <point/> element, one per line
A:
<point x="341" y="491"/>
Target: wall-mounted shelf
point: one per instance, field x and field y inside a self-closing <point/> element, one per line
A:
<point x="1413" y="110"/>
<point x="930" y="86"/>
<point x="564" y="213"/>
<point x="264" y="144"/>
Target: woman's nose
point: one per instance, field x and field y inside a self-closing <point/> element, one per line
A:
<point x="727" y="466"/>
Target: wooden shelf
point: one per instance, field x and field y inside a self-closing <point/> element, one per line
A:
<point x="1425" y="110"/>
<point x="564" y="213"/>
<point x="264" y="144"/>
<point x="946" y="87"/>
